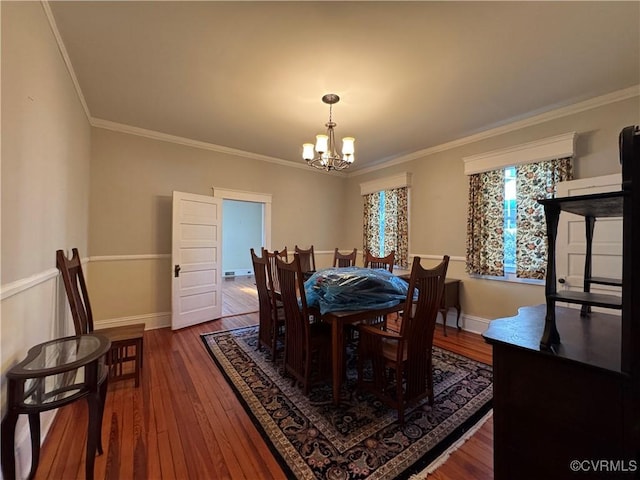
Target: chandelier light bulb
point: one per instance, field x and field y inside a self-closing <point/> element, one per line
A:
<point x="322" y="143"/>
<point x="347" y="146"/>
<point x="307" y="151"/>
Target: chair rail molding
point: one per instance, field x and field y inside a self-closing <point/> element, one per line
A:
<point x="13" y="288"/>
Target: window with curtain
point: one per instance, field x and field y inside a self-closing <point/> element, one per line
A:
<point x="386" y="224"/>
<point x="506" y="229"/>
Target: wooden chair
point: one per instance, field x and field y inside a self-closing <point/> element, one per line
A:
<point x="402" y="370"/>
<point x="126" y="340"/>
<point x="346" y="259"/>
<point x="305" y="342"/>
<point x="272" y="256"/>
<point x="307" y="260"/>
<point x="371" y="261"/>
<point x="271" y="318"/>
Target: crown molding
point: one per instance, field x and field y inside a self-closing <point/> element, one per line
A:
<point x="65" y="57"/>
<point x="165" y="137"/>
<point x="596" y="102"/>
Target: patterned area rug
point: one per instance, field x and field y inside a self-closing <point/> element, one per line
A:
<point x="360" y="438"/>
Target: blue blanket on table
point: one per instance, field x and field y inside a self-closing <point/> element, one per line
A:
<point x="354" y="288"/>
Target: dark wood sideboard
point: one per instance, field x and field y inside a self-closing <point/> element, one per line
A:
<point x="551" y="409"/>
<point x="567" y="380"/>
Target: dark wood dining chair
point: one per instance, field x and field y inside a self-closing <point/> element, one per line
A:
<point x="307" y="260"/>
<point x="345" y="259"/>
<point x="272" y="256"/>
<point x="271" y="318"/>
<point x="371" y="261"/>
<point x="306" y="343"/>
<point x="402" y="369"/>
<point x="126" y="340"/>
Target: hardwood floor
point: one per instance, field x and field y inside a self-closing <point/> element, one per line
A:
<point x="185" y="422"/>
<point x="239" y="295"/>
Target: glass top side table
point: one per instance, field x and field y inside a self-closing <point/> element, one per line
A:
<point x="53" y="374"/>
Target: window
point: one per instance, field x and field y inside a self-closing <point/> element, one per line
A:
<point x="510" y="224"/>
<point x="385" y="225"/>
<point x="506" y="231"/>
<point x="386" y="216"/>
<point x="379" y="252"/>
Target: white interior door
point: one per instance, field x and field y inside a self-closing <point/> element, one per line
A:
<point x="571" y="240"/>
<point x="196" y="256"/>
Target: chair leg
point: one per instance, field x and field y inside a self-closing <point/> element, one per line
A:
<point x="138" y="362"/>
<point x="400" y="395"/>
<point x="274" y="344"/>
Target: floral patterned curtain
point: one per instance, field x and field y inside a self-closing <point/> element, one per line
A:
<point x="534" y="181"/>
<point x="396" y="224"/>
<point x="371" y="239"/>
<point x="485" y="224"/>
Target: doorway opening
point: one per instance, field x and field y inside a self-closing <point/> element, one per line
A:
<point x="246" y="220"/>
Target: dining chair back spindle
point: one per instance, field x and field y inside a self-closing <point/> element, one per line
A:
<point x="271" y="257"/>
<point x="402" y="361"/>
<point x="344" y="259"/>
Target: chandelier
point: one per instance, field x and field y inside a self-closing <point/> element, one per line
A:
<point x="325" y="156"/>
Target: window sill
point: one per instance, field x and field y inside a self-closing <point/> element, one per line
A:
<point x="510" y="277"/>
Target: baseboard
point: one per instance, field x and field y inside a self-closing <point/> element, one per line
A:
<point x="151" y="321"/>
<point x="237" y="272"/>
<point x="467" y="322"/>
<point x="474" y="324"/>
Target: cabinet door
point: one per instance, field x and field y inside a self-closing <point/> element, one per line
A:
<point x="571" y="241"/>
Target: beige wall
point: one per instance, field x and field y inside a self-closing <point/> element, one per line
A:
<point x="45" y="147"/>
<point x="132" y="179"/>
<point x="438" y="198"/>
<point x="45" y="172"/>
<point x="45" y="185"/>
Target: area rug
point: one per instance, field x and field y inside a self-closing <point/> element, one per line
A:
<point x="360" y="438"/>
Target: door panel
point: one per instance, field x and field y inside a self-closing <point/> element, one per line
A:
<point x="196" y="256"/>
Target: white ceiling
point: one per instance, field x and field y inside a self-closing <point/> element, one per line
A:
<point x="411" y="75"/>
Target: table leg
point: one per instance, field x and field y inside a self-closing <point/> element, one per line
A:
<point x="34" y="426"/>
<point x="102" y="389"/>
<point x="8" y="446"/>
<point x="458" y="318"/>
<point x="443" y="311"/>
<point x="337" y="341"/>
<point x="93" y="432"/>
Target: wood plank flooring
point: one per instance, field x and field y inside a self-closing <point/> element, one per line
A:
<point x="185" y="422"/>
<point x="239" y="295"/>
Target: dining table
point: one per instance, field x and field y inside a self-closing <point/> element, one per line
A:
<point x="338" y="320"/>
<point x="352" y="295"/>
